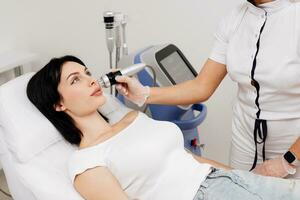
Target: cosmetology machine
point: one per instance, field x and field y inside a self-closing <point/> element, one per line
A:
<point x="159" y="65"/>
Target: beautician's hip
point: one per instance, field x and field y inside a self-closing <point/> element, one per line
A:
<point x="281" y="135"/>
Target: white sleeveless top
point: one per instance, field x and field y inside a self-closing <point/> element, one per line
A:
<point x="148" y="159"/>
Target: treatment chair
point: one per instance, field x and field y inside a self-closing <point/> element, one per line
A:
<point x="33" y="154"/>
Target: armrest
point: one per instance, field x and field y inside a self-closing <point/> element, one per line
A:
<point x="193" y="123"/>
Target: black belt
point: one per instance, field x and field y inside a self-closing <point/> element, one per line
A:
<point x="260" y="125"/>
<point x="261" y="131"/>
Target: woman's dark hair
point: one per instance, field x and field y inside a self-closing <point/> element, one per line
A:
<point x="43" y="93"/>
<point x="252" y="1"/>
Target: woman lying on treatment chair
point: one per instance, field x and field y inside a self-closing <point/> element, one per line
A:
<point x="138" y="157"/>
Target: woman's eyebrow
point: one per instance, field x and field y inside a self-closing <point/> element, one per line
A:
<point x="71" y="75"/>
<point x="85" y="68"/>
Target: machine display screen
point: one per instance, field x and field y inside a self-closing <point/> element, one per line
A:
<point x="177" y="68"/>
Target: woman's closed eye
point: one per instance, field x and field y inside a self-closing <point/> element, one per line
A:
<point x="76" y="78"/>
<point x="88" y="73"/>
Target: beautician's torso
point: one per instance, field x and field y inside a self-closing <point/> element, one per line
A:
<point x="277" y="72"/>
<point x="277" y="62"/>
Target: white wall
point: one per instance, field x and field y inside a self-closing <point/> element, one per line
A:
<point x="58" y="27"/>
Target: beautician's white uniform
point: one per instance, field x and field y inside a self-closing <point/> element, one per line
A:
<point x="276" y="71"/>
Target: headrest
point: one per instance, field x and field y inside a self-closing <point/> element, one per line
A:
<point x="26" y="131"/>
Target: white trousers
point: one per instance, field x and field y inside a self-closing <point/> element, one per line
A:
<point x="281" y="135"/>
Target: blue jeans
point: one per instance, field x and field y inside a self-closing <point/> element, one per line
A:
<point x="244" y="185"/>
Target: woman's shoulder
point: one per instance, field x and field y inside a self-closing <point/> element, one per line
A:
<point x="88" y="153"/>
<point x="82" y="160"/>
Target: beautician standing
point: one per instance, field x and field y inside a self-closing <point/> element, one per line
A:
<point x="258" y="45"/>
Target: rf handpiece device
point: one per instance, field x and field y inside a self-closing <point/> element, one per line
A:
<point x="109" y="79"/>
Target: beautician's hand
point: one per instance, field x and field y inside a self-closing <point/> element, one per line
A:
<point x="277" y="167"/>
<point x="132" y="89"/>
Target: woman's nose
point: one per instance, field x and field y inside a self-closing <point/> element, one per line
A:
<point x="93" y="81"/>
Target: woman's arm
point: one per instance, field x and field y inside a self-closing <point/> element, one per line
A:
<point x="215" y="164"/>
<point x="99" y="184"/>
<point x="193" y="91"/>
<point x="211" y="162"/>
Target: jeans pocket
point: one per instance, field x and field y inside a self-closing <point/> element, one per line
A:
<point x="227" y="185"/>
<point x="242" y="181"/>
<point x="230" y="175"/>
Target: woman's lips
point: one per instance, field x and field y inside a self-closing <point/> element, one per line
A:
<point x="97" y="92"/>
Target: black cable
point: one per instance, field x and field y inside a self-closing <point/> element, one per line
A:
<point x="260" y="125"/>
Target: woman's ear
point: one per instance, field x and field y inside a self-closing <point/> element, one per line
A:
<point x="59" y="107"/>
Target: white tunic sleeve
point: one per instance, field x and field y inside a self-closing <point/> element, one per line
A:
<point x="85" y="159"/>
<point x="219" y="50"/>
<point x="224" y="32"/>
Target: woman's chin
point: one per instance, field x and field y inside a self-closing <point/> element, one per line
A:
<point x="101" y="101"/>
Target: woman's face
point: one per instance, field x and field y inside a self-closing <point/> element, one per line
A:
<point x="80" y="92"/>
<point x="257" y="2"/>
<point x="252" y="1"/>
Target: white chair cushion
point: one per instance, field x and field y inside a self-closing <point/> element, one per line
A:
<point x="47" y="173"/>
<point x="2" y="144"/>
<point x="26" y="131"/>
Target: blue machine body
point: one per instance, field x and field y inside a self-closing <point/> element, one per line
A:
<point x="185" y="119"/>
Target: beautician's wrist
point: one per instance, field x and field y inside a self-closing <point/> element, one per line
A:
<point x="290" y="169"/>
<point x="147" y="93"/>
<point x="148" y="98"/>
<point x="291" y="158"/>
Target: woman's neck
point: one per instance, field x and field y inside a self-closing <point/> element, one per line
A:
<point x="92" y="127"/>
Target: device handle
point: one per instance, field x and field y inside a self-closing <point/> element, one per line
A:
<point x="193" y="123"/>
